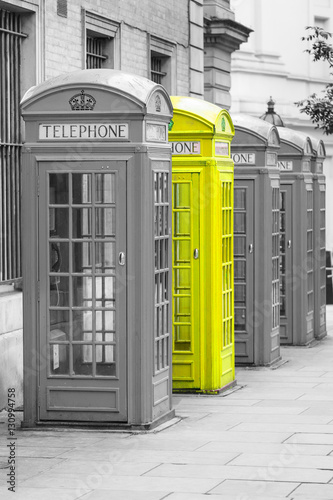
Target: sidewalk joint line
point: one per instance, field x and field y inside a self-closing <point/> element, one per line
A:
<point x="155" y="467"/>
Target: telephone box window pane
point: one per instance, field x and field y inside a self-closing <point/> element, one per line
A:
<point x="58" y="257"/>
<point x="82" y="359"/>
<point x="239" y="222"/>
<point x="239" y="246"/>
<point x="105" y="353"/>
<point x="182" y="280"/>
<point x="240" y="267"/>
<point x="182" y="252"/>
<point x="82" y="257"/>
<point x="59" y="295"/>
<point x="105" y="291"/>
<point x="182" y="195"/>
<point x="105" y="188"/>
<point x="182" y="224"/>
<point x="82" y="291"/>
<point x="58" y="220"/>
<point x="81" y="219"/>
<point x="105" y="320"/>
<point x="82" y="326"/>
<point x="81" y="188"/>
<point x="58" y="189"/>
<point x="59" y="359"/>
<point x="105" y="257"/>
<point x="59" y="325"/>
<point x="240" y="199"/>
<point x="105" y="360"/>
<point x="105" y="220"/>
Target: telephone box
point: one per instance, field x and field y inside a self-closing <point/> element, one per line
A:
<point x="202" y="176"/>
<point x="319" y="239"/>
<point x="256" y="241"/>
<point x="297" y="238"/>
<point x="97" y="251"/>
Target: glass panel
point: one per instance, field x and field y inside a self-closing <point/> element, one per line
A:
<point x="105" y="320"/>
<point x="82" y="257"/>
<point x="240" y="292"/>
<point x="59" y="325"/>
<point x="105" y="256"/>
<point x="240" y="270"/>
<point x="58" y="189"/>
<point x="82" y="325"/>
<point x="239" y="246"/>
<point x="82" y="291"/>
<point x="105" y="220"/>
<point x="59" y="359"/>
<point x="182" y="252"/>
<point x="182" y="195"/>
<point x="59" y="291"/>
<point x="182" y="279"/>
<point x="58" y="257"/>
<point x="81" y="188"/>
<point x="239" y="198"/>
<point x="81" y="219"/>
<point x="82" y="359"/>
<point x="105" y="188"/>
<point x="105" y="291"/>
<point x="239" y="222"/>
<point x="58" y="219"/>
<point x="183" y="333"/>
<point x="182" y="224"/>
<point x="107" y="367"/>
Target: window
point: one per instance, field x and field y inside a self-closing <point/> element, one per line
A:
<point x="102" y="42"/>
<point x="157" y="64"/>
<point x="10" y="145"/>
<point x="163" y="64"/>
<point x="96" y="49"/>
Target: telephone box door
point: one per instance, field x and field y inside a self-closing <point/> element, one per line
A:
<point x="286" y="295"/>
<point x="82" y="273"/>
<point x="186" y="303"/>
<point x="244" y="269"/>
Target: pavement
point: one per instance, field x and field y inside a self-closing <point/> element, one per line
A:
<point x="269" y="439"/>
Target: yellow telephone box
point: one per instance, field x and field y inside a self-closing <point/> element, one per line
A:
<point x="200" y="134"/>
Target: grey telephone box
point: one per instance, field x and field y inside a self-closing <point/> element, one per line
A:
<point x="97" y="251"/>
<point x="297" y="238"/>
<point x="319" y="239"/>
<point x="256" y="241"/>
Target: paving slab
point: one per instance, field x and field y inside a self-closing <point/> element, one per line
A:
<point x="241" y="496"/>
<point x="240" y="490"/>
<point x="314" y="491"/>
<point x="284" y="460"/>
<point x="22" y="493"/>
<point x="267" y="473"/>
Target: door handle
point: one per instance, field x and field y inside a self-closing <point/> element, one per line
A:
<point x="196" y="253"/>
<point x="289" y="244"/>
<point x="250" y="248"/>
<point x="121" y="258"/>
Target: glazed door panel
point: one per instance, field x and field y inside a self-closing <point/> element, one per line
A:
<point x="244" y="307"/>
<point x="286" y="295"/>
<point x="186" y="261"/>
<point x="82" y="224"/>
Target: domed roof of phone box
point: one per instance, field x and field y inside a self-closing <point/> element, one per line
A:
<point x="132" y="87"/>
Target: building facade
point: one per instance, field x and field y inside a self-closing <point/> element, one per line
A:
<point x="273" y="62"/>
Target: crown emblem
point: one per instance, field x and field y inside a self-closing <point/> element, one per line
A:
<point x="82" y="102"/>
